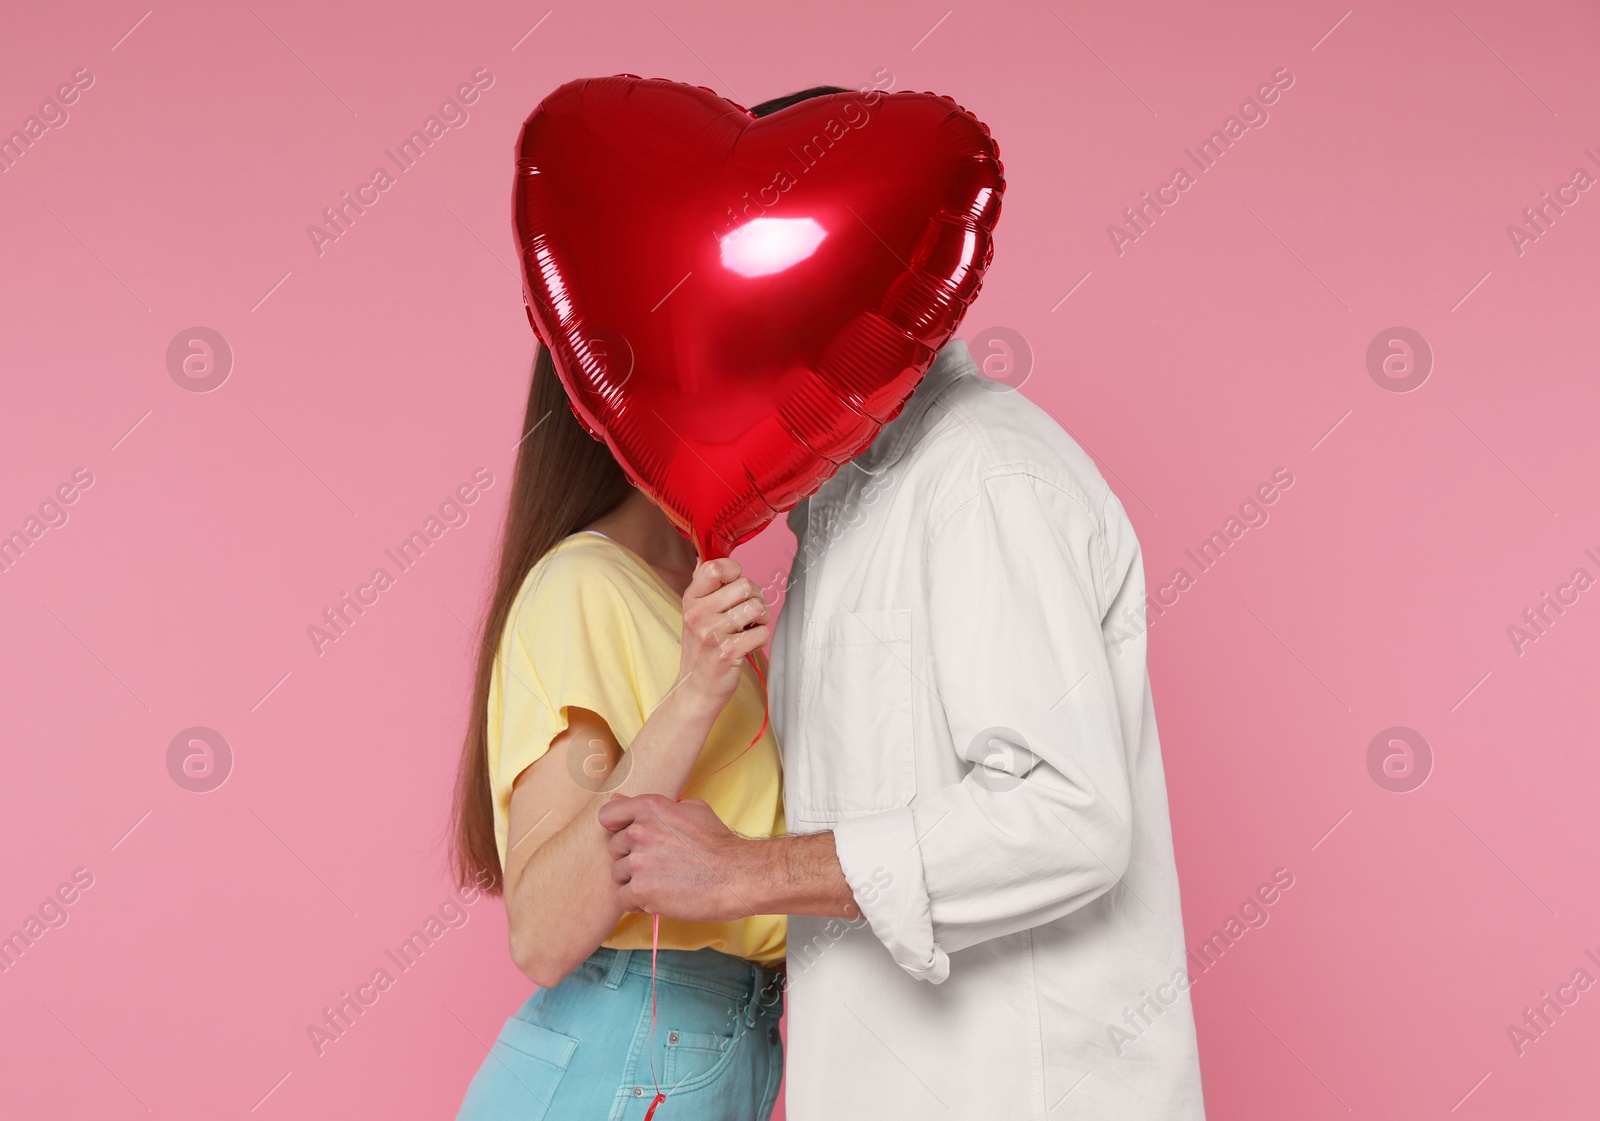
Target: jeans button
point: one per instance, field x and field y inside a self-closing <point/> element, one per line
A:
<point x="638" y="1091"/>
<point x="672" y="1037"/>
<point x="772" y="1034"/>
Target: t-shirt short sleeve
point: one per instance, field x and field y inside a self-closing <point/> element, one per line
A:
<point x="573" y="641"/>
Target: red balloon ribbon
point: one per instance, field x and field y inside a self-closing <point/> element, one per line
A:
<point x="655" y="930"/>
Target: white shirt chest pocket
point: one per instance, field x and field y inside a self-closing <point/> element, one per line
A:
<point x="856" y="752"/>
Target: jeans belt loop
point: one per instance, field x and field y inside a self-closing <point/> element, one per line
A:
<point x="619" y="968"/>
<point x="745" y="1009"/>
<point x="772" y="990"/>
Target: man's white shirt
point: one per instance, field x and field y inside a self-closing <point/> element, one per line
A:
<point x="960" y="694"/>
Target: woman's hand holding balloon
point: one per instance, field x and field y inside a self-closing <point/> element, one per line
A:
<point x="725" y="618"/>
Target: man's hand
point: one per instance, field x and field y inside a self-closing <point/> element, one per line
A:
<point x="675" y="859"/>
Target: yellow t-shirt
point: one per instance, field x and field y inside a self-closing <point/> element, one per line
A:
<point x="595" y="627"/>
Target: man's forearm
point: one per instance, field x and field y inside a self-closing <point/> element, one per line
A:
<point x="794" y="875"/>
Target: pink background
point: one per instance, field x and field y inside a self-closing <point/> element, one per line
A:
<point x="1229" y="341"/>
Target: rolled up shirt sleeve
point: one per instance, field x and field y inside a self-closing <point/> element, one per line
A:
<point x="1041" y="823"/>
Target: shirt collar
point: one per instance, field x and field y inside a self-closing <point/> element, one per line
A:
<point x="952" y="363"/>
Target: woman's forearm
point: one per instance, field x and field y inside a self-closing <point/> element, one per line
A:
<point x="562" y="904"/>
<point x="559" y="896"/>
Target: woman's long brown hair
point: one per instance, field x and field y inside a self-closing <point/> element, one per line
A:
<point x="564" y="480"/>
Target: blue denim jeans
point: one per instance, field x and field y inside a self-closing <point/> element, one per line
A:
<point x="582" y="1051"/>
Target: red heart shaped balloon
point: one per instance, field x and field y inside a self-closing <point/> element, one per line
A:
<point x="737" y="305"/>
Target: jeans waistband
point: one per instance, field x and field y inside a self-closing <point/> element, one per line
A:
<point x="729" y="976"/>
